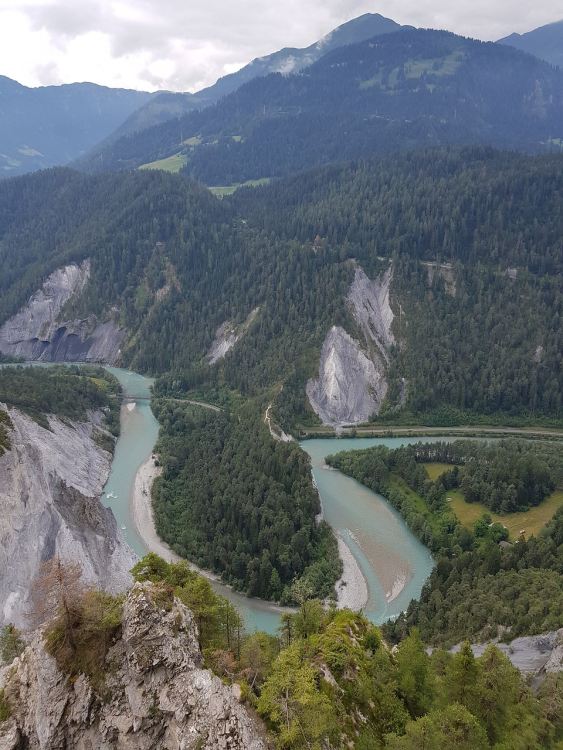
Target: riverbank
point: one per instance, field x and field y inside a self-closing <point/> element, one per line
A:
<point x="143" y="520"/>
<point x="351" y="587"/>
<point x="142" y="512"/>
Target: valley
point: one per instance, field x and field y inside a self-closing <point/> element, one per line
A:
<point x="385" y="566"/>
<point x="341" y="503"/>
<point x="281" y="385"/>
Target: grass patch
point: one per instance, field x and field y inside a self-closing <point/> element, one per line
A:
<point x="446" y="66"/>
<point x="436" y="470"/>
<point x="172" y="164"/>
<point x="222" y="190"/>
<point x="532" y="521"/>
<point x="396" y="482"/>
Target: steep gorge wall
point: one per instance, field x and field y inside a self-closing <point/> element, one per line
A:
<point x="50" y="484"/>
<point x="352" y="381"/>
<point x="37" y="331"/>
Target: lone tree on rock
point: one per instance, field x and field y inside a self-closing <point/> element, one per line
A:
<point x="57" y="594"/>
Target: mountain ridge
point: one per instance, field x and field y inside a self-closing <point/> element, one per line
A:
<point x="409" y="89"/>
<point x="52" y="125"/>
<point x="545" y="42"/>
<point x="168" y="105"/>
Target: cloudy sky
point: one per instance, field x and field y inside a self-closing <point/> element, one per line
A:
<point x="185" y="45"/>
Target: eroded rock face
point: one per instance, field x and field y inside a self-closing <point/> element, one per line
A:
<point x="531" y="654"/>
<point x="349" y="388"/>
<point x="50" y="484"/>
<point x="369" y="301"/>
<point x="352" y="382"/>
<point x="157" y="696"/>
<point x="227" y="335"/>
<point x="37" y="332"/>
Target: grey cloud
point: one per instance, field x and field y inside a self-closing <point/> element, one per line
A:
<point x="203" y="37"/>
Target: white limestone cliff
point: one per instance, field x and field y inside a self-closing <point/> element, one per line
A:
<point x="227" y="335"/>
<point x="50" y="484"/>
<point x="37" y="331"/>
<point x="352" y="381"/>
<point x="369" y="301"/>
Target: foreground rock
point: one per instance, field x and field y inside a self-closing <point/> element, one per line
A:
<point x="157" y="696"/>
<point x="39" y="332"/>
<point x="50" y="484"/>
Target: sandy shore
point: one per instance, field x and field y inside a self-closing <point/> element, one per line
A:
<point x="143" y="520"/>
<point x="141" y="511"/>
<point x="398" y="585"/>
<point x="351" y="589"/>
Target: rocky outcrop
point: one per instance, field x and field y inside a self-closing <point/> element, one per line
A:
<point x="531" y="654"/>
<point x="352" y="381"/>
<point x="157" y="696"/>
<point x="369" y="301"/>
<point x="227" y="335"/>
<point x="275" y="430"/>
<point x="37" y="331"/>
<point x="50" y="484"/>
<point x="349" y="387"/>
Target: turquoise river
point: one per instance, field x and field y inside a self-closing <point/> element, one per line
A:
<point x="393" y="562"/>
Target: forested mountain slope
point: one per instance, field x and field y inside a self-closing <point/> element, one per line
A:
<point x="462" y="247"/>
<point x="397" y="91"/>
<point x="477" y="262"/>
<point x="168" y="105"/>
<point x="418" y="288"/>
<point x="50" y="125"/>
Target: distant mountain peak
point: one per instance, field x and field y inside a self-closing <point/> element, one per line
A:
<point x="285" y="61"/>
<point x="545" y="42"/>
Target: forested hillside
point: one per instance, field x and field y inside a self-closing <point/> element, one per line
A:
<point x="173" y="264"/>
<point x="165" y="106"/>
<point x="234" y="501"/>
<point x="473" y="237"/>
<point x="330" y="678"/>
<point x="61" y="391"/>
<point x="399" y="91"/>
